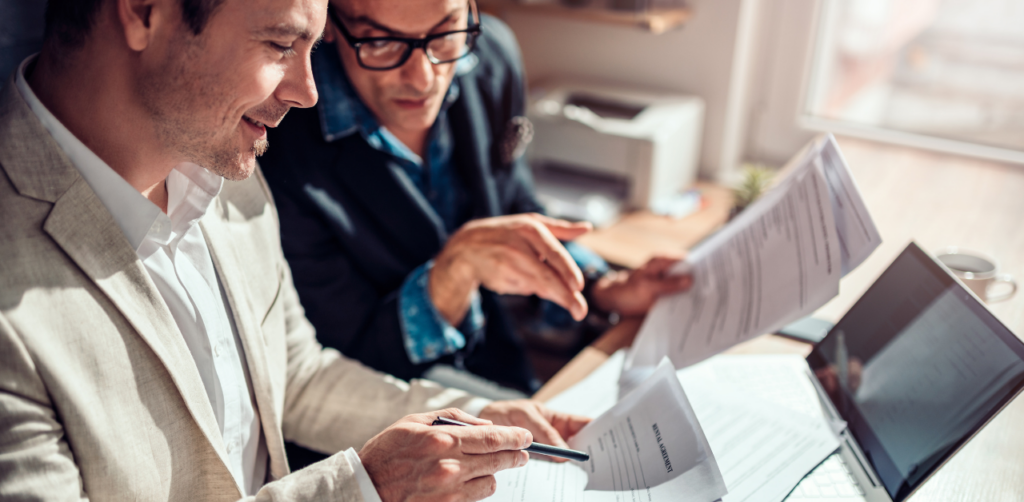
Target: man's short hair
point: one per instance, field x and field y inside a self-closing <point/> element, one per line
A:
<point x="68" y="22"/>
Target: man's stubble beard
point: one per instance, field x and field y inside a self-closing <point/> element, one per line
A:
<point x="177" y="96"/>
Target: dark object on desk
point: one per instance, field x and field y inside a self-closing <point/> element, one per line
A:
<point x="543" y="449"/>
<point x="808" y="329"/>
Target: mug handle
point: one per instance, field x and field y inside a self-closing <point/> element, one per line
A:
<point x="1005" y="279"/>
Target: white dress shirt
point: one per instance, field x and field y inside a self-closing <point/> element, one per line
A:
<point x="173" y="249"/>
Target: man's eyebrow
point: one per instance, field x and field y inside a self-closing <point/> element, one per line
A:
<point x="288" y="30"/>
<point x="374" y="24"/>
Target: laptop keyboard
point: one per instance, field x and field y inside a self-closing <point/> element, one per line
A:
<point x="830" y="481"/>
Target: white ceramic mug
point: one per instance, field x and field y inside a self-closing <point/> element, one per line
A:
<point x="979" y="272"/>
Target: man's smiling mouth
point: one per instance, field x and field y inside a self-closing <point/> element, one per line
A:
<point x="253" y="122"/>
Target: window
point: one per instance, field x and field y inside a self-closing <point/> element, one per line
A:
<point x="943" y="74"/>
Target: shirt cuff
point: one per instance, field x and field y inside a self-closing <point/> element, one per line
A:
<point x="427" y="335"/>
<point x="362" y="477"/>
<point x="589" y="262"/>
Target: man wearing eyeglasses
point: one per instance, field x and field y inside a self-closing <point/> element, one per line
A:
<point x="406" y="203"/>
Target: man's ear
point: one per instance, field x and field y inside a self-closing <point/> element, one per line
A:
<point x="142" y="18"/>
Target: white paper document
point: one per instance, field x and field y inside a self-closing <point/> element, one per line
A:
<point x="857" y="233"/>
<point x="764" y="451"/>
<point x="783" y="380"/>
<point x="647" y="447"/>
<point x="764" y="448"/>
<point x="776" y="262"/>
<point x="596" y="393"/>
<point x="760" y="416"/>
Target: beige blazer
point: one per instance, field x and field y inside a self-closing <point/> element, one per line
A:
<point x="99" y="396"/>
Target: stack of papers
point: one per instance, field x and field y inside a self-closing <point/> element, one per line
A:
<point x="648" y="446"/>
<point x="776" y="262"/>
<point x="747" y="428"/>
<point x="763" y="420"/>
<point x="762" y="447"/>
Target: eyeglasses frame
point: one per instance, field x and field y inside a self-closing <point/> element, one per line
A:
<point x="472" y="32"/>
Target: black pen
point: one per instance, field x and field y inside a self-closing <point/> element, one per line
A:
<point x="543" y="449"/>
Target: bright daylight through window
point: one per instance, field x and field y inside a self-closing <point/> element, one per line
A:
<point x="950" y="69"/>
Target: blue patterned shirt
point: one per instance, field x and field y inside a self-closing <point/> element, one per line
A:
<point x="427" y="335"/>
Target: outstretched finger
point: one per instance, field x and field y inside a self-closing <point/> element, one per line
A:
<point x="491" y="438"/>
<point x="553" y="254"/>
<point x="542" y="429"/>
<point x="563" y="229"/>
<point x="568" y="424"/>
<point x="545" y="283"/>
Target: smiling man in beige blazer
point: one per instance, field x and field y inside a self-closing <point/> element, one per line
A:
<point x="152" y="346"/>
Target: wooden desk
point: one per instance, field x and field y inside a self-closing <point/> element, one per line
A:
<point x="636" y="237"/>
<point x="937" y="200"/>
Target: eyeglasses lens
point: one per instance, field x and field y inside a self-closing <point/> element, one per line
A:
<point x="449" y="47"/>
<point x="385" y="54"/>
<point x="382" y="53"/>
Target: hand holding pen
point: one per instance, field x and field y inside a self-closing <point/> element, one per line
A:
<point x="410" y="460"/>
<point x="548" y="426"/>
<point x="543" y="449"/>
<point x="413" y="460"/>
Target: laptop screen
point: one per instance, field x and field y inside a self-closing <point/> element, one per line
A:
<point x="916" y="367"/>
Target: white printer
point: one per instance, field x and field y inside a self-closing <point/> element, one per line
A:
<point x="648" y="142"/>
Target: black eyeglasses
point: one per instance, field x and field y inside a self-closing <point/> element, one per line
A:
<point x="387" y="53"/>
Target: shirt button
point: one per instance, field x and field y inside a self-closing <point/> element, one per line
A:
<point x="216" y="350"/>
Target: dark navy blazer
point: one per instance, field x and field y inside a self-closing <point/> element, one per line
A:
<point x="353" y="226"/>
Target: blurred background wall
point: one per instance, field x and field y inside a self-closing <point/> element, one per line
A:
<point x="745" y="58"/>
<point x="942" y="74"/>
<point x="21" y="32"/>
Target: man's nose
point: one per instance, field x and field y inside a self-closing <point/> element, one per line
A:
<point x="418" y="71"/>
<point x="298" y="88"/>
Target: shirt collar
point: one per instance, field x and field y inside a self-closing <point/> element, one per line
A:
<point x="343" y="113"/>
<point x="190" y="188"/>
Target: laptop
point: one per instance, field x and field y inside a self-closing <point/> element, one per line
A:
<point x="916" y="368"/>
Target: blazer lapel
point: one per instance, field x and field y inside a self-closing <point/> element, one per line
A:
<point x="472" y="130"/>
<point x="81" y="225"/>
<point x="383" y="187"/>
<point x="240" y="284"/>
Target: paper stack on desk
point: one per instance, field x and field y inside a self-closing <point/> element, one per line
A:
<point x="764" y="444"/>
<point x="777" y="261"/>
<point x="648" y="446"/>
<point x="763" y="420"/>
